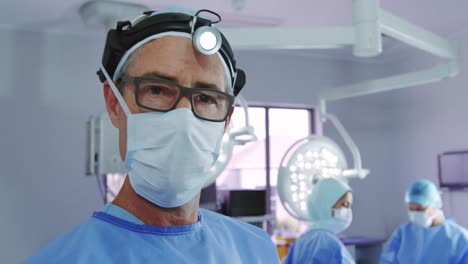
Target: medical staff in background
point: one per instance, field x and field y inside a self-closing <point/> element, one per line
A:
<point x="169" y="80"/>
<point x="428" y="237"/>
<point x="330" y="211"/>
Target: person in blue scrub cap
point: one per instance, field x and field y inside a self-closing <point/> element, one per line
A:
<point x="329" y="209"/>
<point x="428" y="237"/>
<point x="171" y="101"/>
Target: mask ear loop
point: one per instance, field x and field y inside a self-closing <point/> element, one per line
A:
<point x="116" y="92"/>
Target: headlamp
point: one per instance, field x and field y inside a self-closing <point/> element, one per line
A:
<point x="207" y="40"/>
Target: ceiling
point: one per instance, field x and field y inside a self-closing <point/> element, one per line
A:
<point x="445" y="18"/>
<point x="442" y="17"/>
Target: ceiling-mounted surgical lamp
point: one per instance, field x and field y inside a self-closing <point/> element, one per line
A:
<point x="356" y="170"/>
<point x="305" y="163"/>
<point x="311" y="159"/>
<point x="106" y="14"/>
<point x="366" y="25"/>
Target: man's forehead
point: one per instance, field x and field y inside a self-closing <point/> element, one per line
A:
<point x="348" y="197"/>
<point x="175" y="55"/>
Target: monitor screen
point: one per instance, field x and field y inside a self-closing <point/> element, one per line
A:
<point x="453" y="169"/>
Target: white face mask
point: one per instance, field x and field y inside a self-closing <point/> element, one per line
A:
<point x="169" y="154"/>
<point x="341" y="220"/>
<point x="420" y="218"/>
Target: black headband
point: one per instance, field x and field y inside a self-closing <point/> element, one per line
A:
<point x="126" y="35"/>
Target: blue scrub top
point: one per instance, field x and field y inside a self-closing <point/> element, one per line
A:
<point x="121" y="213"/>
<point x="113" y="235"/>
<point x="318" y="246"/>
<point x="446" y="243"/>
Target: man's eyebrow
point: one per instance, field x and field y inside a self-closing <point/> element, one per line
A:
<point x="207" y="85"/>
<point x="160" y="75"/>
<point x="199" y="84"/>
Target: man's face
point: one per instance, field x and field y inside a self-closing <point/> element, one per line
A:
<point x="346" y="201"/>
<point x="173" y="58"/>
<point x="415" y="207"/>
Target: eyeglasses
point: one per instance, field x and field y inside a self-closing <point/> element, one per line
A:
<point x="162" y="95"/>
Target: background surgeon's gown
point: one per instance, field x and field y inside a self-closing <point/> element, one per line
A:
<point x="318" y="246"/>
<point x="446" y="243"/>
<point x="113" y="235"/>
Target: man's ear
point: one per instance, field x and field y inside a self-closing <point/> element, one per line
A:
<point x="228" y="119"/>
<point x="112" y="104"/>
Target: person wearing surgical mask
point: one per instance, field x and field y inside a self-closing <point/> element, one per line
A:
<point x="171" y="101"/>
<point x="330" y="211"/>
<point x="428" y="237"/>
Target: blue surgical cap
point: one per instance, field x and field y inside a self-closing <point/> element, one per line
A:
<point x="425" y="193"/>
<point x="326" y="193"/>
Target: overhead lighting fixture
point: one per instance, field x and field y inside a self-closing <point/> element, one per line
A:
<point x="106" y="13"/>
<point x="366" y="25"/>
<point x="306" y="162"/>
<point x="311" y="159"/>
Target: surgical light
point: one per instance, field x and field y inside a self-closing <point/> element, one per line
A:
<point x="106" y="14"/>
<point x="311" y="159"/>
<point x="307" y="161"/>
<point x="367" y="29"/>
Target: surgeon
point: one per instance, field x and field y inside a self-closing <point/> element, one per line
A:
<point x="329" y="208"/>
<point x="169" y="81"/>
<point x="428" y="237"/>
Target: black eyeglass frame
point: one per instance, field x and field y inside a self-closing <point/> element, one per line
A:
<point x="184" y="92"/>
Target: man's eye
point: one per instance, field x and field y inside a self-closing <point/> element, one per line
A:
<point x="156" y="90"/>
<point x="206" y="98"/>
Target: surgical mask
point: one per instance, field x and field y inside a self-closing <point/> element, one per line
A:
<point x="341" y="220"/>
<point x="420" y="218"/>
<point x="169" y="154"/>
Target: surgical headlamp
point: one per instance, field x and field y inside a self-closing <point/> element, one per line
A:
<point x="205" y="37"/>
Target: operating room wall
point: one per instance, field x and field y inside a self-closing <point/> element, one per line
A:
<point x="48" y="90"/>
<point x="432" y="119"/>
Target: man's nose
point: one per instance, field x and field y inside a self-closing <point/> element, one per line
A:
<point x="184" y="102"/>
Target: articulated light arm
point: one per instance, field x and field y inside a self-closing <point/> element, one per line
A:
<point x="245" y="134"/>
<point x="416" y="36"/>
<point x="434" y="74"/>
<point x="357" y="169"/>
